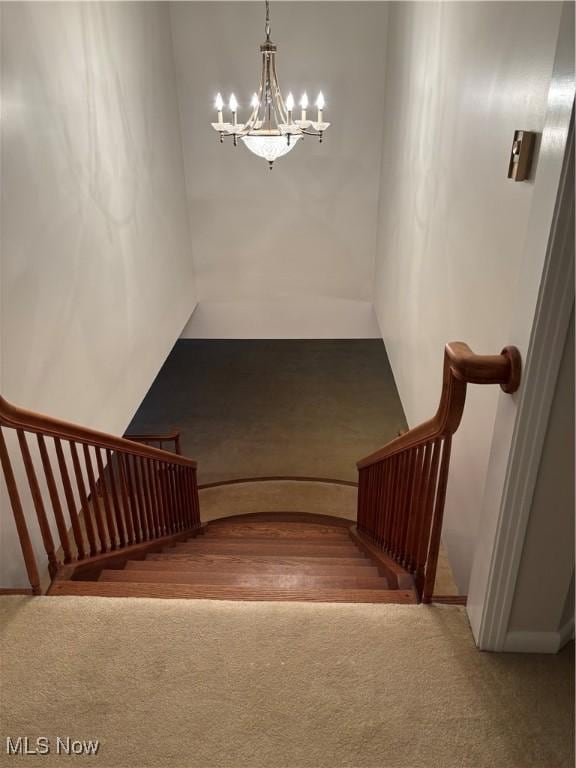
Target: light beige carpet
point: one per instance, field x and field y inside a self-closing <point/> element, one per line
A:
<point x="258" y="685"/>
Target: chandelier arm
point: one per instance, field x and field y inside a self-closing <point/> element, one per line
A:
<point x="277" y="99"/>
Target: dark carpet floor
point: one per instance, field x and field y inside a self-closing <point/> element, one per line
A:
<point x="264" y="408"/>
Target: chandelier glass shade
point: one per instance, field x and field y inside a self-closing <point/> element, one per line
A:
<point x="271" y="129"/>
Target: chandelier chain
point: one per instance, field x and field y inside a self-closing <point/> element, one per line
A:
<point x="267" y="21"/>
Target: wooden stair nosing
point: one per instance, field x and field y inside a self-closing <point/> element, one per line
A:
<point x="210" y="567"/>
<point x="295" y="560"/>
<point x="254" y="580"/>
<point x="187" y="591"/>
<point x="273" y="548"/>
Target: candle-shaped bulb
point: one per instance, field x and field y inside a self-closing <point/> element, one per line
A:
<point x="233" y="104"/>
<point x="320" y="103"/>
<point x="219" y="105"/>
<point x="255" y="101"/>
<point x="304" y="105"/>
<point x="290" y="102"/>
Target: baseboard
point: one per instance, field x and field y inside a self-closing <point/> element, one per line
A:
<point x="314" y="317"/>
<point x="539" y="642"/>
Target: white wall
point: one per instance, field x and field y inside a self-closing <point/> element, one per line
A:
<point x="288" y="252"/>
<point x="460" y="78"/>
<point x="97" y="278"/>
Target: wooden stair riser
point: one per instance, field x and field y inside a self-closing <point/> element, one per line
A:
<point x="212" y="592"/>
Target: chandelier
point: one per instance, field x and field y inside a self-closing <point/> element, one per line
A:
<point x="271" y="130"/>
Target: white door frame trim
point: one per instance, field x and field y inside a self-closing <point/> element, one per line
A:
<point x="542" y="311"/>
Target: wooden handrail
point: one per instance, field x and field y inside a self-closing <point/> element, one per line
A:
<point x="126" y="493"/>
<point x="461" y="367"/>
<point x="19" y="418"/>
<point x="402" y="486"/>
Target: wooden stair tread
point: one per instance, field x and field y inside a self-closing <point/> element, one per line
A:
<point x="267" y="547"/>
<point x="254" y="579"/>
<point x="294" y="560"/>
<point x="277" y="530"/>
<point x="209" y="566"/>
<point x="218" y="592"/>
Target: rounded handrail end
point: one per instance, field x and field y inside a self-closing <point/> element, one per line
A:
<point x="515" y="369"/>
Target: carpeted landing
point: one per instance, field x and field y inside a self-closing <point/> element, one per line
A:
<point x="258" y="685"/>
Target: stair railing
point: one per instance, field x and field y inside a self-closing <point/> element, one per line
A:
<point x="158" y="440"/>
<point x="99" y="493"/>
<point x="402" y="487"/>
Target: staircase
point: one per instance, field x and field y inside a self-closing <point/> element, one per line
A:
<point x="120" y="517"/>
<point x="254" y="557"/>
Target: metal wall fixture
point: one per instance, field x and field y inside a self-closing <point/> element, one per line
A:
<point x="271" y="130"/>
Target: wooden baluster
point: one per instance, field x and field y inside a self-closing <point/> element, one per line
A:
<point x="181" y="481"/>
<point x="135" y="505"/>
<point x="155" y="470"/>
<point x="191" y="494"/>
<point x="421" y="500"/>
<point x="141" y="494"/>
<point x="376" y="511"/>
<point x="157" y="490"/>
<point x="19" y="519"/>
<point x="401" y="517"/>
<point x="436" y="531"/>
<point x="174" y="499"/>
<point x="427" y="501"/>
<point x="55" y="500"/>
<point x="87" y="516"/>
<point x="181" y="485"/>
<point x="393" y="511"/>
<point x="166" y="505"/>
<point x="391" y="520"/>
<point x="195" y="496"/>
<point x="376" y="487"/>
<point x="410" y="506"/>
<point x="415" y="510"/>
<point x="95" y="508"/>
<point x="38" y="502"/>
<point x="363" y="478"/>
<point x="149" y="494"/>
<point x="70" y="501"/>
<point x="126" y="499"/>
<point x="101" y="484"/>
<point x="397" y="504"/>
<point x="177" y="491"/>
<point x="178" y="497"/>
<point x="116" y="505"/>
<point x="361" y="502"/>
<point x="177" y="445"/>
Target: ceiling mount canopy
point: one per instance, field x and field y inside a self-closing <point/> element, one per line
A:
<point x="270" y="130"/>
